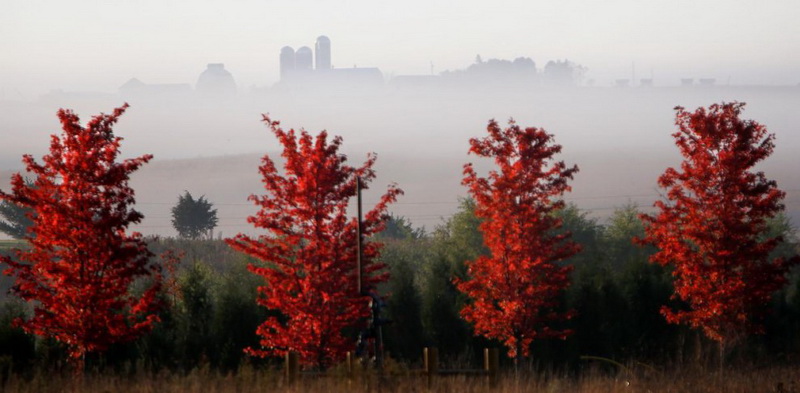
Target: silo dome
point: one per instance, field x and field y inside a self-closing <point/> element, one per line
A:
<point x="323" y="52"/>
<point x="304" y="59"/>
<point x="287" y="61"/>
<point x="216" y="80"/>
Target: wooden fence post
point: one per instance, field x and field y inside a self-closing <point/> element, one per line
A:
<point x="491" y="364"/>
<point x="349" y="364"/>
<point x="292" y="366"/>
<point x="430" y="357"/>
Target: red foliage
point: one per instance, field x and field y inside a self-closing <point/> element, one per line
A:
<point x="710" y="227"/>
<point x="310" y="249"/>
<point x="81" y="262"/>
<point x="514" y="290"/>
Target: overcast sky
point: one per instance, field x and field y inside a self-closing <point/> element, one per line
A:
<point x="98" y="45"/>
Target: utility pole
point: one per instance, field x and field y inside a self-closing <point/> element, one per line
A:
<point x="376" y="303"/>
<point x="360" y="244"/>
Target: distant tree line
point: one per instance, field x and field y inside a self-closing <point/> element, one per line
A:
<point x="522" y="70"/>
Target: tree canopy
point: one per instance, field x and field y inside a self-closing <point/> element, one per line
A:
<point x="310" y="248"/>
<point x="514" y="290"/>
<point x="711" y="226"/>
<point x="81" y="261"/>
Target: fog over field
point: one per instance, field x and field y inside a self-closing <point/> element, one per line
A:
<point x="619" y="137"/>
<point x="411" y="82"/>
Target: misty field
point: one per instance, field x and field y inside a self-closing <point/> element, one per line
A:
<point x="591" y="380"/>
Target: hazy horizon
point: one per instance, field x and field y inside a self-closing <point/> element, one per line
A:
<point x="89" y="45"/>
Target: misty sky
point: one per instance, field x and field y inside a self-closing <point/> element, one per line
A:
<point x="97" y="45"/>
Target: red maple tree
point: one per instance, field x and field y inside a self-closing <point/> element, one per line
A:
<point x="81" y="262"/>
<point x="310" y="251"/>
<point x="514" y="291"/>
<point x="709" y="229"/>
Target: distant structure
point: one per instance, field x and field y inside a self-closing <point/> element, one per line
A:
<point x="304" y="59"/>
<point x="309" y="70"/>
<point x="287" y="61"/>
<point x="216" y="80"/>
<point x="708" y="82"/>
<point x="323" y="51"/>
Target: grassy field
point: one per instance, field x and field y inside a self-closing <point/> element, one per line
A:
<point x="782" y="379"/>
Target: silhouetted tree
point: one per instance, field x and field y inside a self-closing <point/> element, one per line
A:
<point x="193" y="217"/>
<point x="564" y="72"/>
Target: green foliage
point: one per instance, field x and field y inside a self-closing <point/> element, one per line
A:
<point x="197" y="309"/>
<point x="398" y="227"/>
<point x="15" y="344"/>
<point x="458" y="239"/>
<point x="616" y="293"/>
<point x="193" y="217"/>
<point x="780" y="226"/>
<point x="624" y="226"/>
<point x="455" y="242"/>
<point x="441" y="304"/>
<point x="236" y="315"/>
<point x="585" y="231"/>
<point x="404" y="336"/>
<point x="601" y="315"/>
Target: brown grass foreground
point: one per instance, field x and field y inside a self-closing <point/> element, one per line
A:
<point x="782" y="379"/>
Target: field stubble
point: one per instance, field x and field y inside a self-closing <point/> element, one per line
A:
<point x="783" y="379"/>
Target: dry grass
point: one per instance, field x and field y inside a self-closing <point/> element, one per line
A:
<point x="782" y="379"/>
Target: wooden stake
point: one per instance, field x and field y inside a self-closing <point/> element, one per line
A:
<point x="430" y="359"/>
<point x="491" y="364"/>
<point x="292" y="366"/>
